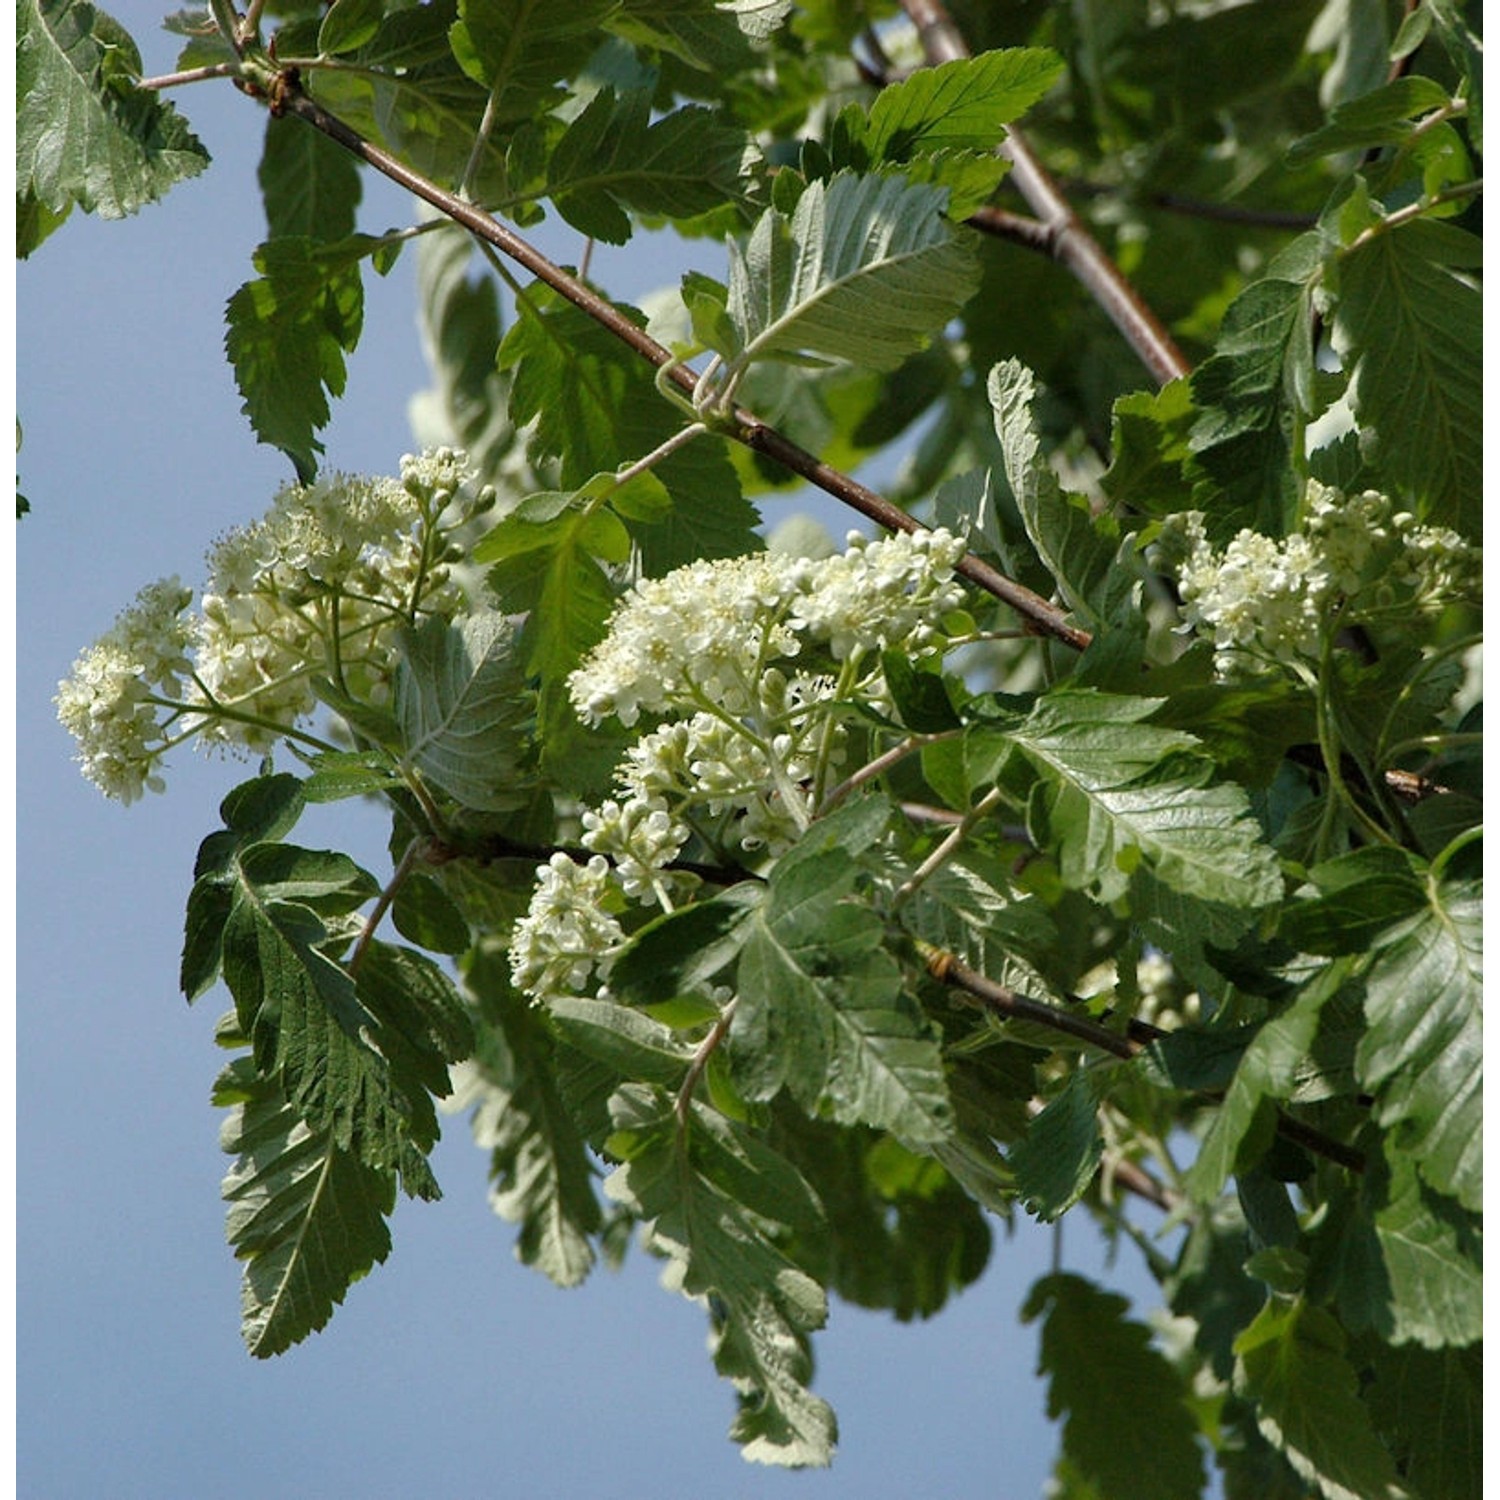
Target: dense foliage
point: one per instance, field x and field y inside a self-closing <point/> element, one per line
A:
<point x="1107" y="827"/>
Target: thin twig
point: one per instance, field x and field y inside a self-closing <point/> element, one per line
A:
<point x="189" y="75"/>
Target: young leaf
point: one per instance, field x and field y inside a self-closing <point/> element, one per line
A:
<point x="721" y="1254"/>
<point x="866" y="271"/>
<point x="614" y="158"/>
<point x="462" y="705"/>
<point x="1293" y="1366"/>
<point x="289" y="331"/>
<point x="85" y="133"/>
<point x="307" y="1217"/>
<point x="1128" y="1429"/>
<point x="1422" y="1057"/>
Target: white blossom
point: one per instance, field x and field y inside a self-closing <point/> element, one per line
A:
<point x="109" y="701"/>
<point x="567" y="938"/>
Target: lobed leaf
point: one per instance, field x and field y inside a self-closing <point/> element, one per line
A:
<point x="721" y="1252"/>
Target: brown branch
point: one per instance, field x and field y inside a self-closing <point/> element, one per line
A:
<point x="1003" y="1001"/>
<point x="1069" y="241"/>
<point x="1043" y="617"/>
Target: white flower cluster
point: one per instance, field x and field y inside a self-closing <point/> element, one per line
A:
<point x="708" y="631"/>
<point x="749" y="661"/>
<point x="316" y="587"/>
<point x="567" y="937"/>
<point x="1356" y="557"/>
<point x="108" y="704"/>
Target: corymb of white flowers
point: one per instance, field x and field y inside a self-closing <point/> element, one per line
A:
<point x="316" y="588"/>
<point x="1355" y="560"/>
<point x="749" y="668"/>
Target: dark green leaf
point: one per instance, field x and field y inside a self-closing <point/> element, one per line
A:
<point x="306" y="1216"/>
<point x="1128" y="1428"/>
<point x="1293" y="1366"/>
<point x="310" y="186"/>
<point x="1434" y="1403"/>
<point x="615" y="158"/>
<point x="1060" y="1153"/>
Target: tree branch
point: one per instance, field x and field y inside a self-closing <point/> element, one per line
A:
<point x="745" y="427"/>
<point x="1068" y="239"/>
<point x="1014" y="1006"/>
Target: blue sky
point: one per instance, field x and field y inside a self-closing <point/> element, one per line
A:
<point x="451" y="1370"/>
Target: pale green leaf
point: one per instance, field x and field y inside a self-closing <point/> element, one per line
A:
<point x="540" y="1172"/>
<point x="1422" y="1057"/>
<point x="1127" y="1425"/>
<point x="462" y="706"/>
<point x="1292" y="1365"/>
<point x="523" y="50"/>
<point x="822" y="1009"/>
<point x="1115" y="794"/>
<point x="866" y="270"/>
<point x="1077" y="547"/>
<point x="306" y="1217"/>
<point x="85" y="133"/>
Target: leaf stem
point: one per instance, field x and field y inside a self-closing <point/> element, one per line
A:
<point x="947" y="849"/>
<point x="415" y="850"/>
<point x="705" y="1050"/>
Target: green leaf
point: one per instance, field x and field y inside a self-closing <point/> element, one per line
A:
<point x="680" y="951"/>
<point x="631" y="1044"/>
<point x="460" y="325"/>
<point x="309" y="185"/>
<point x="961" y="105"/>
<point x="540" y="1170"/>
<point x="614" y="158"/>
<point x="1115" y="794"/>
<point x="1380" y="118"/>
<point x="865" y="271"/>
<point x="1150" y="450"/>
<point x="721" y="1252"/>
<point x="1060" y="1153"/>
<point x="1128" y="1428"/>
<point x="462" y="706"/>
<point x="823" y="1011"/>
<point x="1292" y="1364"/>
<point x="1077" y="547"/>
<point x="85" y="133"/>
<point x="289" y="331"/>
<point x="1407" y="327"/>
<point x="1268" y="1071"/>
<point x="348" y="25"/>
<point x="1434" y="1402"/>
<point x="423" y="913"/>
<point x="1422" y="1056"/>
<point x="307" y="1217"/>
<point x="522" y="50"/>
<point x="1247" y="391"/>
